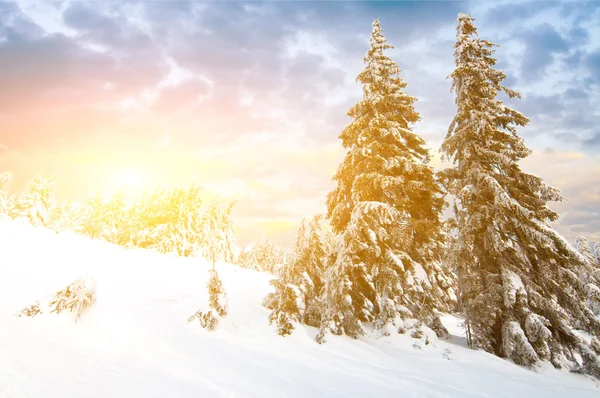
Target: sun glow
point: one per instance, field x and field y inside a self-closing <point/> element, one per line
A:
<point x="131" y="179"/>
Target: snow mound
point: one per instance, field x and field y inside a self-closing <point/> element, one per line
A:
<point x="135" y="339"/>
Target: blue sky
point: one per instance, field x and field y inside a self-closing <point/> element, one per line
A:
<point x="248" y="98"/>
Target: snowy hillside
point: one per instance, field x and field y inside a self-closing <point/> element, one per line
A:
<point x="135" y="341"/>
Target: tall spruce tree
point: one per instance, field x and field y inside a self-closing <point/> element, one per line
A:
<point x="386" y="206"/>
<point x="519" y="279"/>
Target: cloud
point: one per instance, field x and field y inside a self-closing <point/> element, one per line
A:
<point x="592" y="62"/>
<point x="541" y="44"/>
<point x="577" y="176"/>
<point x="513" y="13"/>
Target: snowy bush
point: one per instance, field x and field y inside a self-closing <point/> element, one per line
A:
<point x="207" y="320"/>
<point x="31" y="311"/>
<point x="76" y="298"/>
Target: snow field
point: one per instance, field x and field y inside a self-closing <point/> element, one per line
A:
<point x="135" y="341"/>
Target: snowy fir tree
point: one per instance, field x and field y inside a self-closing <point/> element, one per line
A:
<point x="285" y="301"/>
<point x="217" y="233"/>
<point x="285" y="305"/>
<point x="217" y="297"/>
<point x="114" y="220"/>
<point x="35" y="203"/>
<point x="217" y="302"/>
<point x="519" y="280"/>
<point x="297" y="295"/>
<point x="387" y="207"/>
<point x="309" y="265"/>
<point x="5" y="198"/>
<point x="183" y="221"/>
<point x="583" y="247"/>
<point x="590" y="274"/>
<point x="62" y="217"/>
<point x="169" y="221"/>
<point x="90" y="217"/>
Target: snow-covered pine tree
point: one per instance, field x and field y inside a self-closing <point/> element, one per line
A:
<point x="285" y="305"/>
<point x="5" y="199"/>
<point x="61" y="216"/>
<point x="218" y="233"/>
<point x="217" y="302"/>
<point x="597" y="253"/>
<point x="590" y="274"/>
<point x="90" y="217"/>
<point x="338" y="312"/>
<point x="520" y="288"/>
<point x="114" y="220"/>
<point x="387" y="206"/>
<point x="583" y="247"/>
<point x="217" y="297"/>
<point x="285" y="301"/>
<point x="311" y="263"/>
<point x="35" y="203"/>
<point x="298" y="286"/>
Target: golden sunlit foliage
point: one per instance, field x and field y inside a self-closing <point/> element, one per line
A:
<point x="263" y="256"/>
<point x="76" y="298"/>
<point x="165" y="220"/>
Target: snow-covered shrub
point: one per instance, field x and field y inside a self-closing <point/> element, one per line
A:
<point x="76" y="298"/>
<point x="217" y="296"/>
<point x="32" y="310"/>
<point x="207" y="320"/>
<point x="217" y="301"/>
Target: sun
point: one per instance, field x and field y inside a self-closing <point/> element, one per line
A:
<point x="131" y="179"/>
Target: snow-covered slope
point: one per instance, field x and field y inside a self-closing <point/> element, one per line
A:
<point x="135" y="342"/>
